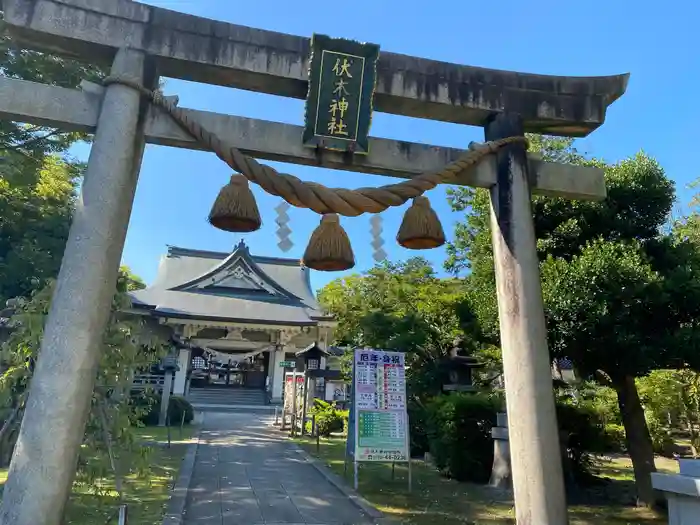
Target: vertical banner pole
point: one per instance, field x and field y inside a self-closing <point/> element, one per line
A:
<point x="294" y="403"/>
<point x="306" y="396"/>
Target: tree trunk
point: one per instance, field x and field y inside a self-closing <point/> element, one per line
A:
<point x="639" y="444"/>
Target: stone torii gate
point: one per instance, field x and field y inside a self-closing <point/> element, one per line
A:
<point x="142" y="42"/>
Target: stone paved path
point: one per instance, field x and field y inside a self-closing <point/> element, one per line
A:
<point x="246" y="473"/>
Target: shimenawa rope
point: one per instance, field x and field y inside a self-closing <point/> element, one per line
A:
<point x="304" y="194"/>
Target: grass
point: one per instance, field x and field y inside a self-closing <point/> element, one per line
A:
<point x="436" y="500"/>
<point x="160" y="434"/>
<point x="145" y="496"/>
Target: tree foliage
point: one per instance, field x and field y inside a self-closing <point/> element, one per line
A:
<point x="33" y="142"/>
<point x="401" y="307"/>
<point x="35" y="212"/>
<point x="128" y="346"/>
<point x="38" y="181"/>
<point x="621" y="293"/>
<point x="672" y="401"/>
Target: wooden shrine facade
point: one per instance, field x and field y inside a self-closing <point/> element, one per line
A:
<point x="243" y="317"/>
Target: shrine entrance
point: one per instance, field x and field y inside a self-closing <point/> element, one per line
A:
<point x="343" y="82"/>
<point x="219" y="370"/>
<point x="241" y="317"/>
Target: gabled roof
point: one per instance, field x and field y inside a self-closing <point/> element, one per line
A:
<point x="230" y="287"/>
<point x="313" y="347"/>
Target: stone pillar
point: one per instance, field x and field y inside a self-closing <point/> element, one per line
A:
<point x="501" y="476"/>
<point x="44" y="461"/>
<point x="538" y="482"/>
<point x="183" y="361"/>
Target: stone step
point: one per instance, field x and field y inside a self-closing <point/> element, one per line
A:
<point x="257" y="395"/>
<point x="227" y="394"/>
<point x="224" y="397"/>
<point x="234" y="408"/>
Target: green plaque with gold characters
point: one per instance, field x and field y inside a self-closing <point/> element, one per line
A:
<point x="342" y="77"/>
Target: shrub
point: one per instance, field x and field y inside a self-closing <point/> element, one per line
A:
<point x="458" y="432"/>
<point x="660" y="434"/>
<point x="178" y="407"/>
<point x="459" y="435"/>
<point x="616" y="437"/>
<point x="329" y="418"/>
<point x="582" y="433"/>
<point x="418" y="422"/>
<point x="149" y="403"/>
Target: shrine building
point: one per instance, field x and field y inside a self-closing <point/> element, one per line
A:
<point x="240" y="321"/>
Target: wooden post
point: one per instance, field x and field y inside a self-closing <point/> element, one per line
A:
<point x="294" y="404"/>
<point x="537" y="471"/>
<point x="43" y="465"/>
<point x="305" y="402"/>
<point x="314" y="427"/>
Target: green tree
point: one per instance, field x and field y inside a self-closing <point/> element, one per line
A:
<point x="621" y="298"/>
<point x="403" y="307"/>
<point x="36" y="204"/>
<point x="688" y="227"/>
<point x="38" y="182"/>
<point x="33" y="142"/>
<point x="129" y="346"/>
<point x="671" y="400"/>
<point x="130" y="281"/>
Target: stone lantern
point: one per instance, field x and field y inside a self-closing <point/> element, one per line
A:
<point x="456" y="371"/>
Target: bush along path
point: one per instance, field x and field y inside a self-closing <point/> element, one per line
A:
<point x="436" y="499"/>
<point x="456" y="430"/>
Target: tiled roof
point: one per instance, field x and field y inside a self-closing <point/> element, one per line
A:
<point x="236" y="286"/>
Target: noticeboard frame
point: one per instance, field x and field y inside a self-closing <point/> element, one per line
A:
<point x="352" y="440"/>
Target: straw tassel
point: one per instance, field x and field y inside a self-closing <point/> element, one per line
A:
<point x="421" y="228"/>
<point x="235" y="209"/>
<point x="329" y="249"/>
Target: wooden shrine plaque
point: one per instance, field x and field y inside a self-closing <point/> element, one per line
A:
<point x="342" y="77"/>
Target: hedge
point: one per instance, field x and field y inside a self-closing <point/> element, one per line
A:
<point x="329" y="418"/>
<point x="150" y="402"/>
<point x="458" y="434"/>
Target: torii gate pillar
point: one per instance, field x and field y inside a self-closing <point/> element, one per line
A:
<point x="45" y="457"/>
<point x="538" y="481"/>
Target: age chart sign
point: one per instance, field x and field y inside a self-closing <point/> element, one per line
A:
<point x="380" y="418"/>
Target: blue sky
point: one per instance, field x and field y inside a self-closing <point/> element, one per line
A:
<point x="657" y="44"/>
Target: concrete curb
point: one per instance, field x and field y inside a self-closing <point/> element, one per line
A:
<point x="339" y="483"/>
<point x="178" y="494"/>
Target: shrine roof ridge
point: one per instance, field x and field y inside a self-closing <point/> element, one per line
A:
<point x="203" y="50"/>
<point x="207" y="254"/>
